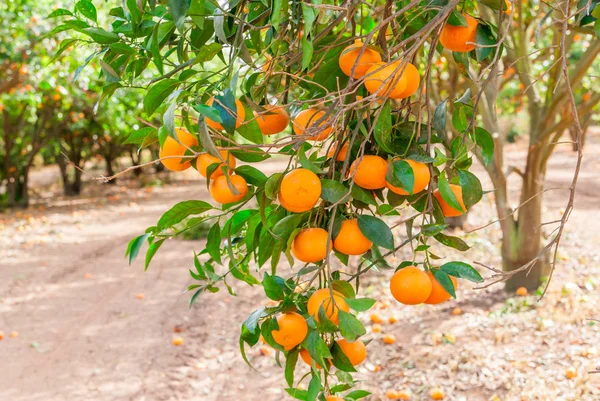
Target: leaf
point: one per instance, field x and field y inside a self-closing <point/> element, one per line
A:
<point x="273" y="286"/>
<point x="272" y="185"/>
<point x="360" y="304"/>
<point x="485" y="40"/>
<point x="182" y="210"/>
<point x="340" y="360"/>
<point x="400" y="172"/>
<point x="452" y="242"/>
<point x="344" y="288"/>
<point x="59" y="12"/>
<point x="213" y="243"/>
<point x="485" y="141"/>
<point x="471" y="188"/>
<point x="307" y="51"/>
<point x="363" y="195"/>
<point x="208" y="111"/>
<point x="439" y="118"/>
<point x="447" y="193"/>
<point x="462" y="270"/>
<point x="316" y="347"/>
<point x="297" y="393"/>
<point x="383" y="128"/>
<point x="87" y="9"/>
<point x="134" y="246"/>
<point x="152" y="249"/>
<point x="357" y="394"/>
<point x="208" y="52"/>
<point x="251" y="322"/>
<point x="178" y="9"/>
<point x="284" y="227"/>
<point x="314" y="387"/>
<point x="253" y="175"/>
<point x="158" y="93"/>
<point x="457" y="19"/>
<point x="432" y="229"/>
<point x="333" y="191"/>
<point x="101" y="36"/>
<point x="376" y="231"/>
<point x="445" y="281"/>
<point x="459" y="118"/>
<point x="290" y="366"/>
<point x="350" y="327"/>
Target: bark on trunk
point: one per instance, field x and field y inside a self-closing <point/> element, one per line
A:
<point x="109" y="169"/>
<point x="70" y="187"/>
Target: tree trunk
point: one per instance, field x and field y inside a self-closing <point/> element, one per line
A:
<point x="70" y="187"/>
<point x="17" y="189"/>
<point x="109" y="169"/>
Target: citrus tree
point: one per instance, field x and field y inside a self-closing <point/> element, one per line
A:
<point x="340" y="95"/>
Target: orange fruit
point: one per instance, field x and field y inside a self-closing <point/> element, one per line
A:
<point x="376" y="328"/>
<point x="387" y="80"/>
<point x="522" y="291"/>
<point x="389" y="339"/>
<point x="307" y="359"/>
<point x="177" y="341"/>
<point x="392" y="394"/>
<point x="341" y="156"/>
<point x="455" y="38"/>
<point x="369" y="172"/>
<point x="293" y="329"/>
<point x="350" y="240"/>
<point x="171" y="148"/>
<point x="356" y="351"/>
<point x="273" y="120"/>
<point x="508" y="7"/>
<point x="351" y="58"/>
<point x="392" y="319"/>
<point x="300" y="190"/>
<point x="139" y="296"/>
<point x="333" y="398"/>
<point x="205" y="160"/>
<point x="331" y="305"/>
<point x="437" y="393"/>
<point x="221" y="193"/>
<point x="456" y="311"/>
<point x="375" y="318"/>
<point x="448" y="210"/>
<point x="570" y="373"/>
<point x="413" y="80"/>
<point x="1" y="335"/>
<point x="310" y="245"/>
<point x="403" y="395"/>
<point x="421" y="174"/>
<point x="306" y="123"/>
<point x="438" y="293"/>
<point x="410" y="286"/>
<point x="239" y="114"/>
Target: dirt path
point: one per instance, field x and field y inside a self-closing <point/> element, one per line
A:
<point x="84" y="335"/>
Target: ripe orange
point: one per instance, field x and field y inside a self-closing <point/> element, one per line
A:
<point x="177" y="341"/>
<point x="413" y="80"/>
<point x="522" y="291"/>
<point x="221" y="193"/>
<point x="205" y="160"/>
<point x="1" y="335"/>
<point x="393" y="319"/>
<point x="392" y="395"/>
<point x="308" y="360"/>
<point x="273" y="120"/>
<point x="437" y="393"/>
<point x="356" y="351"/>
<point x="410" y="285"/>
<point x="456" y="311"/>
<point x="333" y="398"/>
<point x="389" y="339"/>
<point x="455" y="38"/>
<point x="376" y="328"/>
<point x="570" y="373"/>
<point x="422" y="176"/>
<point x="438" y="293"/>
<point x="331" y="305"/>
<point x="300" y="190"/>
<point x="306" y="123"/>
<point x="403" y="395"/>
<point x="369" y="171"/>
<point x="375" y="318"/>
<point x="293" y="329"/>
<point x="171" y="147"/>
<point x="239" y="114"/>
<point x="341" y="156"/>
<point x="350" y="240"/>
<point x="448" y="210"/>
<point x="508" y="7"/>
<point x="310" y="245"/>
<point x="139" y="296"/>
<point x="387" y="80"/>
<point x="350" y="59"/>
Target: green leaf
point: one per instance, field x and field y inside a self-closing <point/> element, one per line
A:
<point x="208" y="111"/>
<point x="459" y="118"/>
<point x="182" y="210"/>
<point x="273" y="286"/>
<point x="485" y="40"/>
<point x="152" y="249"/>
<point x="333" y="191"/>
<point x="253" y="175"/>
<point x="314" y="387"/>
<point x="447" y="194"/>
<point x="139" y="136"/>
<point x="360" y="304"/>
<point x="452" y="242"/>
<point x="134" y="246"/>
<point x="485" y="141"/>
<point x="383" y="128"/>
<point x="439" y="118"/>
<point x="284" y="227"/>
<point x="462" y="270"/>
<point x="471" y="188"/>
<point x="376" y="231"/>
<point x="251" y="322"/>
<point x="432" y="229"/>
<point x="457" y="19"/>
<point x="445" y="281"/>
<point x="401" y="174"/>
<point x="363" y="195"/>
<point x="297" y="393"/>
<point x="316" y="347"/>
<point x="340" y="360"/>
<point x="101" y="36"/>
<point x="87" y="9"/>
<point x="208" y="52"/>
<point x="64" y="45"/>
<point x="290" y="366"/>
<point x="178" y="9"/>
<point x="158" y="93"/>
<point x="307" y="51"/>
<point x="59" y="12"/>
<point x="350" y="327"/>
<point x="344" y="288"/>
<point x="357" y="394"/>
<point x="213" y="243"/>
<point x="272" y="185"/>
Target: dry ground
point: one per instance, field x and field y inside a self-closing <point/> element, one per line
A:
<point x="85" y="335"/>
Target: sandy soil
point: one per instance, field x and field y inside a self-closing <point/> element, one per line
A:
<point x="85" y="335"/>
